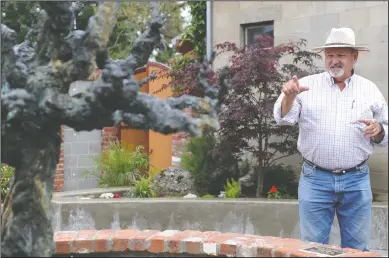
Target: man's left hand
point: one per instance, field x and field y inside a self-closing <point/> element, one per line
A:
<point x="373" y="128"/>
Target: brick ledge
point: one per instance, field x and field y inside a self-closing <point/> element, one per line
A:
<point x="190" y="242"/>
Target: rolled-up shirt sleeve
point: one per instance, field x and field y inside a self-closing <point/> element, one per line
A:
<point x="291" y="117"/>
<point x="381" y="115"/>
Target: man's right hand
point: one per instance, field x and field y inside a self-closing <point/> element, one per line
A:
<point x="290" y="89"/>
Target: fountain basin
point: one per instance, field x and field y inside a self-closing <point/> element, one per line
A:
<point x="261" y="217"/>
<point x="154" y="243"/>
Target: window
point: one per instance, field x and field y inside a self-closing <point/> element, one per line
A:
<point x="250" y="31"/>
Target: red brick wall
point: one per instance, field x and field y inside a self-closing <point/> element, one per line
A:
<point x="59" y="173"/>
<point x="190" y="242"/>
<point x="179" y="141"/>
<point x="108" y="134"/>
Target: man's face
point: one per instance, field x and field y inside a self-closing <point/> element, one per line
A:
<point x="340" y="61"/>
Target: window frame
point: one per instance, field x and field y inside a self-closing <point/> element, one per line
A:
<point x="245" y="27"/>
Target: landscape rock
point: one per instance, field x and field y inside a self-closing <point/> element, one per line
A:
<point x="190" y="196"/>
<point x="222" y="194"/>
<point x="174" y="181"/>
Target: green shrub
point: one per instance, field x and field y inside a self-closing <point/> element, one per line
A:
<point x="209" y="163"/>
<point x="153" y="172"/>
<point x="208" y="196"/>
<point x="232" y="189"/>
<point x="7" y="173"/>
<point x="142" y="188"/>
<point x="198" y="161"/>
<point x="119" y="165"/>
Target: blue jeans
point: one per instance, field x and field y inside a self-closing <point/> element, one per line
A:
<point x="321" y="194"/>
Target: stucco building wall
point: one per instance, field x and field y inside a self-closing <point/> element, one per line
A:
<point x="313" y="21"/>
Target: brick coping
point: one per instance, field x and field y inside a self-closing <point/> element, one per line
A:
<point x="209" y="243"/>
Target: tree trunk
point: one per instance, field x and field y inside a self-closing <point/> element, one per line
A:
<point x="260" y="160"/>
<point x="260" y="176"/>
<point x="26" y="219"/>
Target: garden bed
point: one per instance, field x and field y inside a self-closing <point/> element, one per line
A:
<point x="91" y="193"/>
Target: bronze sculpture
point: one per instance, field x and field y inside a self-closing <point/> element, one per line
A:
<point x="35" y="103"/>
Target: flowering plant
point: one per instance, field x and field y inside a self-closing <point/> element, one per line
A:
<point x="107" y="195"/>
<point x="273" y="193"/>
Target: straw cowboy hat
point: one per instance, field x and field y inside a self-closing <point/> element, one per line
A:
<point x="341" y="37"/>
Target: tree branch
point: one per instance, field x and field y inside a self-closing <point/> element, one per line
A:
<point x="151" y="77"/>
<point x="272" y="154"/>
<point x="166" y="117"/>
<point x="117" y="90"/>
<point x="284" y="156"/>
<point x="223" y="89"/>
<point x="163" y="120"/>
<point x="77" y="7"/>
<point x="72" y="55"/>
<point x="137" y="109"/>
<point x="205" y="69"/>
<point x="146" y="42"/>
<point x="14" y="61"/>
<point x="8" y="39"/>
<point x="201" y="105"/>
<point x="94" y="41"/>
<point x="8" y="59"/>
<point x="14" y="109"/>
<point x="52" y="44"/>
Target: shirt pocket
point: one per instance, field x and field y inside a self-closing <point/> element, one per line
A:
<point x="360" y="110"/>
<point x="314" y="111"/>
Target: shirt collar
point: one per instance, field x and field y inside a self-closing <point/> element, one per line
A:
<point x="331" y="80"/>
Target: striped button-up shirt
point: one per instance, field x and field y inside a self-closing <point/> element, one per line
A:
<point x="330" y="134"/>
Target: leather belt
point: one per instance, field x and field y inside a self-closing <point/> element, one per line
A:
<point x="337" y="171"/>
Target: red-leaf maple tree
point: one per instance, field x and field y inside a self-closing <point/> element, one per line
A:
<point x="256" y="75"/>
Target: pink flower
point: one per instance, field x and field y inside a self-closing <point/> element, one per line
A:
<point x="116" y="196"/>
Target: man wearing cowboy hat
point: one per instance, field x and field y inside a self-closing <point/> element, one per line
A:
<point x="341" y="117"/>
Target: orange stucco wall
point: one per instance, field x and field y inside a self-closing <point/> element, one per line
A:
<point x="159" y="146"/>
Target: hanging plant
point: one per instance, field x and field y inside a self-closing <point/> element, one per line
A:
<point x="196" y="31"/>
